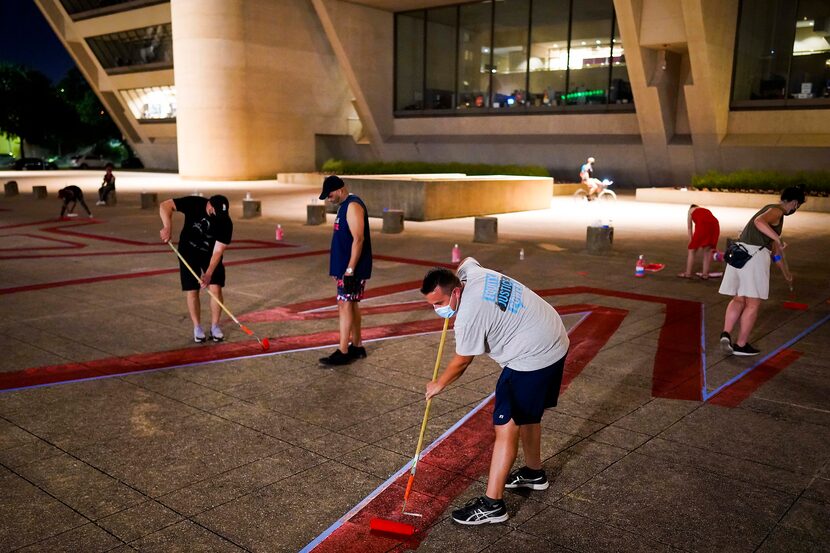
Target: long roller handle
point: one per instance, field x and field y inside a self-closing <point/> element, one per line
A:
<point x="426" y="414"/>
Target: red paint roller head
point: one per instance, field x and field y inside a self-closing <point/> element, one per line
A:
<point x="266" y="345"/>
<point x="391" y="527"/>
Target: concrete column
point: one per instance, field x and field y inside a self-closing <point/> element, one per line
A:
<point x="486" y="230"/>
<point x="392" y="221"/>
<point x="255" y="80"/>
<point x="39" y="192"/>
<point x="149" y="200"/>
<point x="10" y="189"/>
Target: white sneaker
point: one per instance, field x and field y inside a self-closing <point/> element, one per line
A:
<point x="198" y="334"/>
<point x="100" y="202"/>
<point x="216" y="333"/>
<point x="71" y="214"/>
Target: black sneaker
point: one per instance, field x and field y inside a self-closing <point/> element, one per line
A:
<point x="726" y="342"/>
<point x="481" y="510"/>
<point x="527" y="478"/>
<point x="357" y="352"/>
<point x="337" y="358"/>
<point x="744" y="351"/>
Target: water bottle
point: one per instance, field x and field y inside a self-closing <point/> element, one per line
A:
<point x="279" y="234"/>
<point x="456" y="254"/>
<point x="640" y="268"/>
<point x="717" y="256"/>
<point x="247" y="195"/>
<point x="522" y="254"/>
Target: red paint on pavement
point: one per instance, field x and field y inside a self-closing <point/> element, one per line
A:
<point x="735" y="394"/>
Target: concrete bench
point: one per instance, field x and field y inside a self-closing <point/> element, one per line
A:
<point x="10" y="189"/>
<point x="392" y="221"/>
<point x="149" y="200"/>
<point x="486" y="230"/>
<point x="251" y="208"/>
<point x="39" y="192"/>
<point x="315" y="214"/>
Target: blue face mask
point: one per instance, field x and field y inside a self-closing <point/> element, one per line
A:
<point x="446" y="311"/>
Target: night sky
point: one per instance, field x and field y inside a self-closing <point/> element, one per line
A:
<point x="26" y="39"/>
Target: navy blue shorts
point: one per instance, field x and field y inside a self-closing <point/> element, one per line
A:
<point x="523" y="396"/>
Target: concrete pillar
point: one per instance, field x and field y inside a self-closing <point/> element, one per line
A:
<point x="486" y="230"/>
<point x="315" y="214"/>
<point x="392" y="221"/>
<point x="255" y="81"/>
<point x="10" y="189"/>
<point x="599" y="240"/>
<point x="149" y="200"/>
<point x="251" y="209"/>
<point x="39" y="192"/>
<point x="112" y="198"/>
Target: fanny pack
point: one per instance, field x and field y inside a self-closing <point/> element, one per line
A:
<point x="737" y="255"/>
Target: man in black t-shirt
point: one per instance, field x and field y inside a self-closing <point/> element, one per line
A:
<point x="206" y="233"/>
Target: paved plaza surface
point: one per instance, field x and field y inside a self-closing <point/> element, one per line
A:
<point x="118" y="433"/>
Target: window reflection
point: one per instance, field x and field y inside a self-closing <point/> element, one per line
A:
<point x="475" y="56"/>
<point x="548" y="61"/>
<point x="409" y="61"/>
<point x="589" y="55"/>
<point x="152" y="103"/>
<point x="510" y="54"/>
<point x="440" y="76"/>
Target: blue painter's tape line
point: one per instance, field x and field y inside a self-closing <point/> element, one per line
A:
<point x="769" y="356"/>
<point x="331" y="529"/>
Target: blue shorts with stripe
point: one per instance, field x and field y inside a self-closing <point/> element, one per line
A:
<point x="524" y="395"/>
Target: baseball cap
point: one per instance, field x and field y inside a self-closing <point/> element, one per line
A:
<point x="330" y="184"/>
<point x="220" y="204"/>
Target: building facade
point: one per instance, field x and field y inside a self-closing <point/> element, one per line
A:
<point x="655" y="90"/>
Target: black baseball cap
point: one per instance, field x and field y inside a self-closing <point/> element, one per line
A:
<point x="220" y="204"/>
<point x="330" y="184"/>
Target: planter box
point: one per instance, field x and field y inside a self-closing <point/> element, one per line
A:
<point x="566" y="189"/>
<point x="727" y="199"/>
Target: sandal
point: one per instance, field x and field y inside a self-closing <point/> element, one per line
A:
<point x="684" y="275"/>
<point x="704" y="277"/>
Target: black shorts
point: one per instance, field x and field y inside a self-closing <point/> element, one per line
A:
<point x="200" y="265"/>
<point x="524" y="395"/>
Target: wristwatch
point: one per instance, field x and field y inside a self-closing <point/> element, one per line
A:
<point x="349" y="271"/>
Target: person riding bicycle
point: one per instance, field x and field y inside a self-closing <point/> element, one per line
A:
<point x="586" y="173"/>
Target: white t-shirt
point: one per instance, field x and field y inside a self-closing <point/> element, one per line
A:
<point x="506" y="320"/>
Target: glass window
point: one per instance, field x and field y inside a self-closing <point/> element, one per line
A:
<point x="810" y="66"/>
<point x="409" y="61"/>
<point x="549" y="52"/>
<point x="509" y="70"/>
<point x="153" y="103"/>
<point x="620" y="91"/>
<point x="475" y="58"/>
<point x="589" y="56"/>
<point x="765" y="39"/>
<point x="135" y="50"/>
<point x="442" y="27"/>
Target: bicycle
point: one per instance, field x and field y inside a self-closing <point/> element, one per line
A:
<point x="604" y="193"/>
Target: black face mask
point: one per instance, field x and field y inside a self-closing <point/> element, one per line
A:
<point x="793" y="210"/>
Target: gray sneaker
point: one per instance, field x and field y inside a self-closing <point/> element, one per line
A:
<point x="216" y="333"/>
<point x="725" y="342"/>
<point x="198" y="334"/>
<point x="527" y="478"/>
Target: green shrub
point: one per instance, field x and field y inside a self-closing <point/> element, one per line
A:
<point x="342" y="167"/>
<point x="814" y="183"/>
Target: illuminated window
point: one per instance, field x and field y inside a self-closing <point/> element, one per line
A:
<point x="151" y="104"/>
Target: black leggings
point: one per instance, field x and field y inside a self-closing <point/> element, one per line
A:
<point x="78" y="199"/>
<point x="104" y="191"/>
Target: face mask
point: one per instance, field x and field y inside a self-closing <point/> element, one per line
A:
<point x="446" y="311"/>
<point x="793" y="210"/>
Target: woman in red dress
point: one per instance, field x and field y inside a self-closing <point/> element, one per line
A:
<point x="704" y="231"/>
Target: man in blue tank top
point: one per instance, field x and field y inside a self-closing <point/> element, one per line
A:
<point x="351" y="266"/>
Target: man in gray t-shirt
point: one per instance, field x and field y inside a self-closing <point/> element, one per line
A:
<point x="501" y="317"/>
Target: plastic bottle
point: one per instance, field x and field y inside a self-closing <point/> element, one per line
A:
<point x="456" y="254"/>
<point x="717" y="256"/>
<point x="522" y="254"/>
<point x="279" y="234"/>
<point x="640" y="268"/>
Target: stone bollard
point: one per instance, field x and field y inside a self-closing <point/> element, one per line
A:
<point x="315" y="214"/>
<point x="112" y="198"/>
<point x="392" y="221"/>
<point x="600" y="239"/>
<point x="486" y="230"/>
<point x="39" y="192"/>
<point x="149" y="200"/>
<point x="251" y="208"/>
<point x="10" y="189"/>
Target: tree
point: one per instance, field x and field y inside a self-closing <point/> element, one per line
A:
<point x="96" y="124"/>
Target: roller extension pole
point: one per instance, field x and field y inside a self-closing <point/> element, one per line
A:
<point x="263" y="342"/>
